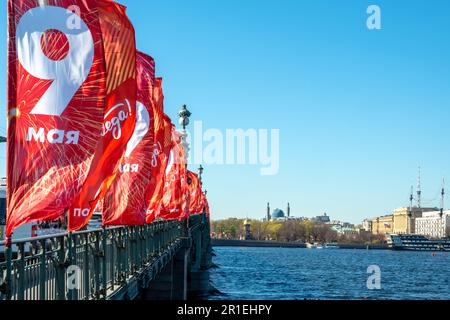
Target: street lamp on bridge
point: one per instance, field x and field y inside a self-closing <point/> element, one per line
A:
<point x="200" y="173"/>
<point x="184" y="115"/>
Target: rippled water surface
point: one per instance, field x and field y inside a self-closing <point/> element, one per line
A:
<point x="297" y="274"/>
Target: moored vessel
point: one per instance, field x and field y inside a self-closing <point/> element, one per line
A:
<point x="314" y="246"/>
<point x="417" y="243"/>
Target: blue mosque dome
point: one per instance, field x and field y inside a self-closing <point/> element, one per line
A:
<point x="278" y="214"/>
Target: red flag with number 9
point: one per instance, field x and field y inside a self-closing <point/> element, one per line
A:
<point x="56" y="97"/>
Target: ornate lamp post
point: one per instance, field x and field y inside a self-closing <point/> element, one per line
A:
<point x="200" y="173"/>
<point x="184" y="115"/>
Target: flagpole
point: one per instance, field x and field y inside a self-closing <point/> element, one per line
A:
<point x="204" y="205"/>
<point x="8" y="252"/>
<point x="200" y="175"/>
<point x="71" y="261"/>
<point x="8" y="240"/>
<point x="104" y="239"/>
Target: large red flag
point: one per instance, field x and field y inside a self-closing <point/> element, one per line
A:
<point x="205" y="205"/>
<point x="126" y="200"/>
<point x="120" y="110"/>
<point x="161" y="153"/>
<point x="56" y="95"/>
<point x="195" y="193"/>
<point x="175" y="179"/>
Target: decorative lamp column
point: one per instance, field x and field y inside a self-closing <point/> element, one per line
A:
<point x="184" y="115"/>
<point x="200" y="174"/>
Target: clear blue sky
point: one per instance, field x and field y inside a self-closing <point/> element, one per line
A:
<point x="358" y="110"/>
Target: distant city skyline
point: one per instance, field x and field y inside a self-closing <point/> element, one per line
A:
<point x="325" y="213"/>
<point x="358" y="110"/>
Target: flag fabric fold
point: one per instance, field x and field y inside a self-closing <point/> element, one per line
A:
<point x="126" y="201"/>
<point x="195" y="193"/>
<point x="163" y="144"/>
<point x="120" y="111"/>
<point x="56" y="97"/>
<point x="174" y="197"/>
<point x="205" y="205"/>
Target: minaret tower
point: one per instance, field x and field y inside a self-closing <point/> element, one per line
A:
<point x="288" y="210"/>
<point x="268" y="212"/>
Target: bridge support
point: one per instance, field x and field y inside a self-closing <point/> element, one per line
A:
<point x="187" y="276"/>
<point x="172" y="282"/>
<point x="179" y="277"/>
<point x="199" y="281"/>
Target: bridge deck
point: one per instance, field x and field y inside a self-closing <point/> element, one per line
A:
<point x="89" y="265"/>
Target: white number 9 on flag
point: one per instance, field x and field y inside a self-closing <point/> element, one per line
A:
<point x="69" y="73"/>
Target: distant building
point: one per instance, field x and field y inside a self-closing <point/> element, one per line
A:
<point x="367" y="225"/>
<point x="383" y="225"/>
<point x="344" y="228"/>
<point x="404" y="219"/>
<point x="297" y="219"/>
<point x="349" y="231"/>
<point x="322" y="219"/>
<point x="401" y="221"/>
<point x="278" y="215"/>
<point x="433" y="225"/>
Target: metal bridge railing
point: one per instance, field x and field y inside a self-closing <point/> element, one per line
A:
<point x="84" y="265"/>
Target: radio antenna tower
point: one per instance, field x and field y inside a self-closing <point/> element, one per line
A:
<point x="410" y="213"/>
<point x="419" y="192"/>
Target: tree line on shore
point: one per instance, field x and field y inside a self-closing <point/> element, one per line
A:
<point x="289" y="231"/>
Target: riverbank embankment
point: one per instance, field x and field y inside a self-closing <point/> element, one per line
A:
<point x="277" y="244"/>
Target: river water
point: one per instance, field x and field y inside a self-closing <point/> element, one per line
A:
<point x="298" y="274"/>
